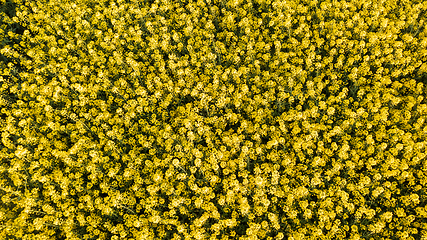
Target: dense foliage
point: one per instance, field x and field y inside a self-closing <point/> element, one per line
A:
<point x="208" y="119"/>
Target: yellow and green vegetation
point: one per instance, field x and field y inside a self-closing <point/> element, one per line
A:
<point x="213" y="119"/>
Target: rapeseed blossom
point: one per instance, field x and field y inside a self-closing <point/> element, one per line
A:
<point x="252" y="120"/>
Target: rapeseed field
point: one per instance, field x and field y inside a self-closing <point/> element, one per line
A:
<point x="213" y="119"/>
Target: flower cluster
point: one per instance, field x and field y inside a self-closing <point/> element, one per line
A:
<point x="260" y="119"/>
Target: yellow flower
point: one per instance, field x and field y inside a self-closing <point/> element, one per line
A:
<point x="370" y="213"/>
<point x="322" y="105"/>
<point x="293" y="214"/>
<point x="307" y="214"/>
<point x="415" y="198"/>
<point x="400" y="212"/>
<point x="259" y="181"/>
<point x="377" y="191"/>
<point x="216" y="227"/>
<point x="198" y="203"/>
<point x="377" y="227"/>
<point x="387" y="216"/>
<point x="258" y="150"/>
